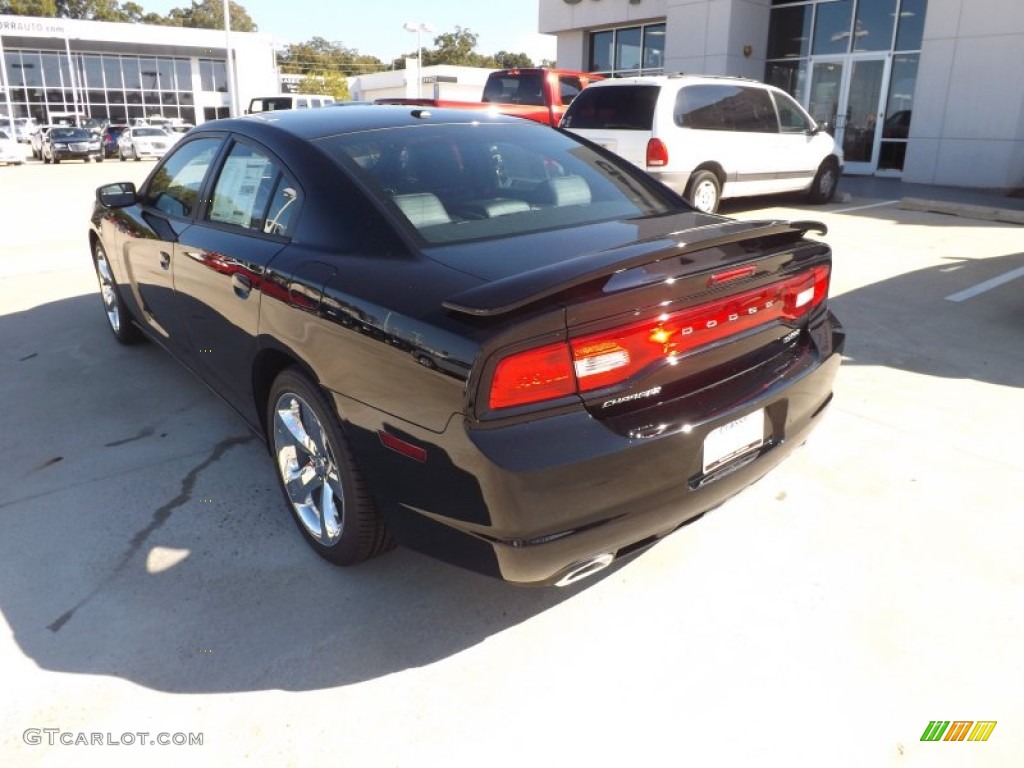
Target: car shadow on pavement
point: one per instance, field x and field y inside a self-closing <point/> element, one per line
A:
<point x="145" y="537"/>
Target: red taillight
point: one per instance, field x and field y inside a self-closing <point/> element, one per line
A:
<point x="604" y="359"/>
<point x="531" y="376"/>
<point x="657" y="153"/>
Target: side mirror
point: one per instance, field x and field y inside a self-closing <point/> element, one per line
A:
<point x="119" y="195"/>
<point x="824" y="127"/>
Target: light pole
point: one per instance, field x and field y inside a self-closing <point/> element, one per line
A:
<point x="232" y="90"/>
<point x="419" y="28"/>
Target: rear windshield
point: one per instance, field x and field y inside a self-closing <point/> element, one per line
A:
<point x="271" y="104"/>
<point x="456" y="183"/>
<point x="519" y="88"/>
<point x="149" y="132"/>
<point x="620" y="108"/>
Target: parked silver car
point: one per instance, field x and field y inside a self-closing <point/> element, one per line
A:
<point x="142" y="141"/>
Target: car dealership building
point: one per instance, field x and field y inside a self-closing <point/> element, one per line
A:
<point x="923" y="90"/>
<point x="55" y="67"/>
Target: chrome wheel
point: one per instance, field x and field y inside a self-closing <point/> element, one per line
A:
<point x="705" y="197"/>
<point x="308" y="469"/>
<point x="827" y="185"/>
<point x="107" y="291"/>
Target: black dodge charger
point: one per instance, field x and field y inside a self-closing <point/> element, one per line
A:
<point x="476" y="336"/>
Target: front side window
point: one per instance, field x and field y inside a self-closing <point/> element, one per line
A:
<point x="791" y="117"/>
<point x="174" y="188"/>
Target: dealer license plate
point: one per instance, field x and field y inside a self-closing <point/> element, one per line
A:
<point x="732" y="440"/>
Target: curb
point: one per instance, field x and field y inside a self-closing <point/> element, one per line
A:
<point x="983" y="212"/>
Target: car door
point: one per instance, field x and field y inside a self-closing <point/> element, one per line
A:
<point x="801" y="149"/>
<point x="167" y="204"/>
<point x="220" y="262"/>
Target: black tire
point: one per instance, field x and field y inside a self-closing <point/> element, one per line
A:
<point x="100" y="158"/>
<point x="704" y="191"/>
<point x="135" y="154"/>
<point x="46" y="159"/>
<point x="823" y="188"/>
<point x="120" y="155"/>
<point x="353" y="531"/>
<point x="119" y="319"/>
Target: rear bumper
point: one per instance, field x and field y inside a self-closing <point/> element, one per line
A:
<point x="529" y="502"/>
<point x="674" y="180"/>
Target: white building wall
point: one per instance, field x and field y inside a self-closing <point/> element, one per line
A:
<point x="404" y="84"/>
<point x="968" y="121"/>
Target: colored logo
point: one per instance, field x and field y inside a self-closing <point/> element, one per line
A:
<point x="959" y="730"/>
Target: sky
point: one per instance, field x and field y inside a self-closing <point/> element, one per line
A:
<point x="374" y="28"/>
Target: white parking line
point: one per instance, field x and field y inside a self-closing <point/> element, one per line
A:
<point x="865" y="207"/>
<point x="988" y="285"/>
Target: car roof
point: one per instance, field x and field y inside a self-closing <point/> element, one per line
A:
<point x="319" y="123"/>
<point x="677" y="78"/>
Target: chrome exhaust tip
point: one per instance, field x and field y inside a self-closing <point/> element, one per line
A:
<point x="586" y="568"/>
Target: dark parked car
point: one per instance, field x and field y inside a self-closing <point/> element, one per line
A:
<point x="109" y="139"/>
<point x="477" y="336"/>
<point x="61" y="143"/>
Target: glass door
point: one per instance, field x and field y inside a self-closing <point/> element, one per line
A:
<point x="847" y="93"/>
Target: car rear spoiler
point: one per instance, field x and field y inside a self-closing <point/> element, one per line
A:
<point x="515" y="292"/>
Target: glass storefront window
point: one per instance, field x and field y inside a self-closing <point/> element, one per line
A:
<point x="601" y="51"/>
<point x="130" y="67"/>
<point x="165" y="68"/>
<point x="832" y="27"/>
<point x="150" y="74"/>
<point x="93" y="71"/>
<point x="872" y="29"/>
<point x="213" y="75"/>
<point x="789" y="32"/>
<point x="790" y="76"/>
<point x="14" y="76"/>
<point x="32" y="69"/>
<point x="183" y="70"/>
<point x="112" y="72"/>
<point x="627" y="50"/>
<point x="654" y="47"/>
<point x="910" y="30"/>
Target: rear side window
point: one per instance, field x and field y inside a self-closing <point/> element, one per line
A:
<point x="725" y="108"/>
<point x="252" y="193"/>
<point x="621" y="108"/>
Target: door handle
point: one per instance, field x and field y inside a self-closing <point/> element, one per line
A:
<point x="165" y="260"/>
<point x="242" y="285"/>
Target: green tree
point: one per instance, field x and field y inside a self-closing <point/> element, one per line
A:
<point x="209" y="14"/>
<point x="29" y="8"/>
<point x="326" y="83"/>
<point x="506" y="60"/>
<point x="320" y="56"/>
<point x="459" y="48"/>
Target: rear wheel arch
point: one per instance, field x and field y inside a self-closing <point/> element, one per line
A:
<point x="269" y="363"/>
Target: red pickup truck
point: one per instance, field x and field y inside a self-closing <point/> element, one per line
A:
<point x="537" y="93"/>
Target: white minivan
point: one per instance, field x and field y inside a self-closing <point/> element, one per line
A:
<point x="289" y="101"/>
<point x="709" y="137"/>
